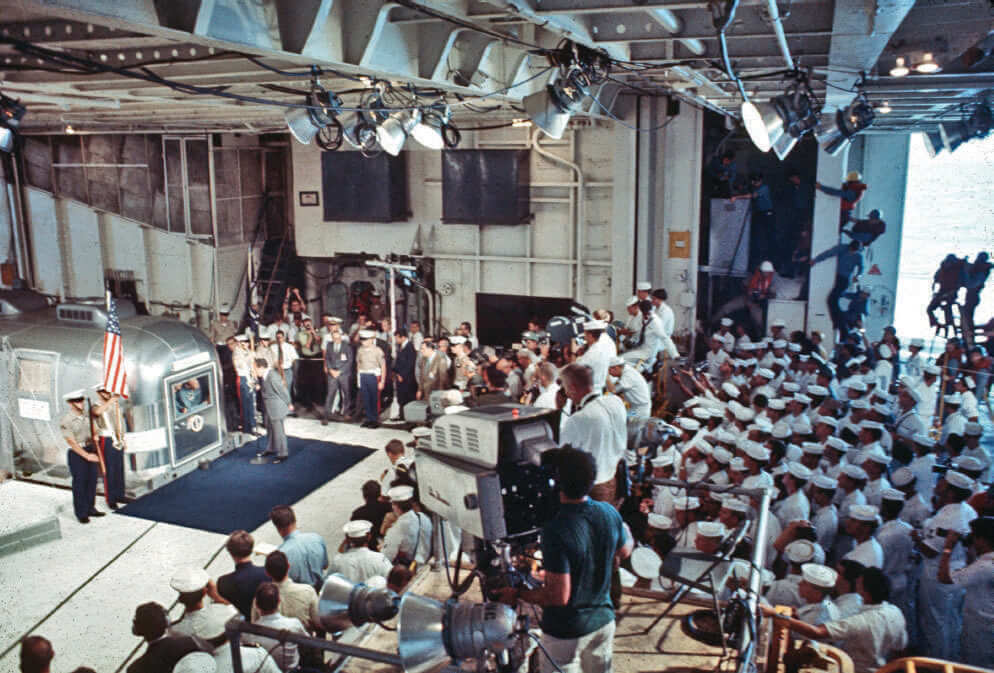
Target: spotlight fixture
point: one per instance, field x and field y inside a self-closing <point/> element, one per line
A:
<point x="978" y="125"/>
<point x="430" y="634"/>
<point x="927" y="65"/>
<point x="835" y="130"/>
<point x="435" y="130"/>
<point x="11" y="113"/>
<point x="779" y="123"/>
<point x="361" y="134"/>
<point x="392" y="132"/>
<point x="900" y="68"/>
<point x="551" y="108"/>
<point x="69" y="129"/>
<point x="358" y="604"/>
<point x="885" y="108"/>
<point x="321" y="113"/>
<point x="933" y="142"/>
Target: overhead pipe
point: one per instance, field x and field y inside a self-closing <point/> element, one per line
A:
<point x="778" y="30"/>
<point x="673" y="25"/>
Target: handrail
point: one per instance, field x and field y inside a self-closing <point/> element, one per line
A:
<point x="910" y="665"/>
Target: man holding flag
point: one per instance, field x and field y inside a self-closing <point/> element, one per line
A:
<point x="106" y="420"/>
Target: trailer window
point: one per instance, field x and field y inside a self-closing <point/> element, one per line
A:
<point x="191" y="395"/>
<point x="34" y="377"/>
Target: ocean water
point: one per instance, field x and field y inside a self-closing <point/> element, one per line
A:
<point x="948" y="208"/>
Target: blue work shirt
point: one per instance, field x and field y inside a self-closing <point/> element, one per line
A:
<point x="581" y="540"/>
<point x="762" y="199"/>
<point x="849" y="261"/>
<point x="308" y="557"/>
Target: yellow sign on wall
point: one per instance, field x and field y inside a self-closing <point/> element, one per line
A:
<point x="679" y="245"/>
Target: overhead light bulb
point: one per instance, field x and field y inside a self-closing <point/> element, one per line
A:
<point x="927" y="65"/>
<point x="900" y="69"/>
<point x="755" y="126"/>
<point x="69" y="129"/>
<point x="884" y="108"/>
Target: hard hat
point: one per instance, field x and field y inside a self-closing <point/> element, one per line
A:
<point x="853" y="176"/>
<point x="766" y="267"/>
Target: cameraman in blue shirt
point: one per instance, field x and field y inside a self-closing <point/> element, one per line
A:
<point x="581" y="547"/>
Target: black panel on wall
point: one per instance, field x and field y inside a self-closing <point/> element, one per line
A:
<point x="485" y="187"/>
<point x="503" y="317"/>
<point x="359" y="189"/>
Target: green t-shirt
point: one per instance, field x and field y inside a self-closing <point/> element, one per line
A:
<point x="581" y="540"/>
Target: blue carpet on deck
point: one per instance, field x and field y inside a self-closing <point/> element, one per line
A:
<point x="235" y="494"/>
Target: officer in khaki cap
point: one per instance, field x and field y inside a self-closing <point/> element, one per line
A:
<point x="82" y="457"/>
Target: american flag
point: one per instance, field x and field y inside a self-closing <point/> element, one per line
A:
<point x="115" y="378"/>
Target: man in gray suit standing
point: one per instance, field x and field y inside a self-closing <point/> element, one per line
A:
<point x="276" y="401"/>
<point x="339" y="363"/>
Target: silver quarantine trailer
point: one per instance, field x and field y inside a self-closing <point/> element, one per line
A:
<point x="46" y="351"/>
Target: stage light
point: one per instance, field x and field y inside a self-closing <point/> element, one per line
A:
<point x="551" y="108"/>
<point x="435" y="130"/>
<point x="361" y="134"/>
<point x="358" y="604"/>
<point x="69" y="129"/>
<point x="323" y="108"/>
<point x="933" y="142"/>
<point x="900" y="68"/>
<point x="835" y="130"/>
<point x="392" y="132"/>
<point x="978" y="125"/>
<point x="431" y="633"/>
<point x="11" y="113"/>
<point x="884" y="108"/>
<point x="790" y="114"/>
<point x="927" y="65"/>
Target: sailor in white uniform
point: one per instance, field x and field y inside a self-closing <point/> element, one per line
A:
<point x="817" y="583"/>
<point x="600" y="349"/>
<point x="409" y="538"/>
<point x="862" y="522"/>
<point x="977" y="582"/>
<point x="795" y="507"/>
<point x="358" y="562"/>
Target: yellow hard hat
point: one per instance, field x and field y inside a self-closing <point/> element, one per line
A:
<point x="853" y="176"/>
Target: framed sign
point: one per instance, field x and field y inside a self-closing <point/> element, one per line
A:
<point x="309" y="199"/>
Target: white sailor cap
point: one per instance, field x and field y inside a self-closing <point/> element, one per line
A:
<point x="189" y="579"/>
<point x="877" y="456"/>
<point x="818" y="391"/>
<point x="857" y="384"/>
<point x="730" y="389"/>
<point x="973" y="429"/>
<point x="802" y="398"/>
<point x="827" y="420"/>
<point x="701" y="413"/>
<point x="457" y="339"/>
<point x="744" y="414"/>
<point x="917" y="342"/>
<point x="366" y="334"/>
<point x="632" y="301"/>
<point x="781" y="430"/>
<point x="860" y="359"/>
<point x="689" y="424"/>
<point x="400" y="493"/>
<point x="717" y="337"/>
<point x="801" y="425"/>
<point x="813" y="448"/>
<point x="799" y="471"/>
<point x="196" y="662"/>
<point x="819" y="575"/>
<point x="860" y="403"/>
<point x="838" y="444"/>
<point x="871" y="425"/>
<point x="686" y="504"/>
<point x="922" y="439"/>
<point x="765" y="391"/>
<point x="72" y="395"/>
<point x="723" y="456"/>
<point x="643" y="286"/>
<point x="825" y="482"/>
<point x="224" y="309"/>
<point x="616" y="361"/>
<point x="803" y="357"/>
<point x="959" y="480"/>
<point x="790" y="387"/>
<point x="593" y="325"/>
<point x="854" y="472"/>
<point x="881" y="408"/>
<point x="867" y="513"/>
<point x="357" y="529"/>
<point x="660" y="521"/>
<point x="756" y="451"/>
<point x="969" y="383"/>
<point x="934" y="370"/>
<point x="711" y="529"/>
<point x="735" y="504"/>
<point x="763" y="424"/>
<point x="766" y="373"/>
<point x="902" y="476"/>
<point x="241" y="337"/>
<point x="335" y="320"/>
<point x="777" y="404"/>
<point x="717" y="412"/>
<point x="750" y="362"/>
<point x="779" y="343"/>
<point x="703" y="446"/>
<point x="794" y="347"/>
<point x="863" y="554"/>
<point x="913" y="393"/>
<point x="779" y="322"/>
<point x="892" y="494"/>
<point x="726" y="322"/>
<point x="421" y="432"/>
<point x="663" y="460"/>
<point x="799" y="551"/>
<point x="736" y="464"/>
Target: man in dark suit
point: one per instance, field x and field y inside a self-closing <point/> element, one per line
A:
<point x="403" y="370"/>
<point x="276" y="400"/>
<point x="238" y="587"/>
<point x="163" y="651"/>
<point x="339" y="367"/>
<point x="434" y="373"/>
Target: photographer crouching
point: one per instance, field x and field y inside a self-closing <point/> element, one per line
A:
<point x="581" y="547"/>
